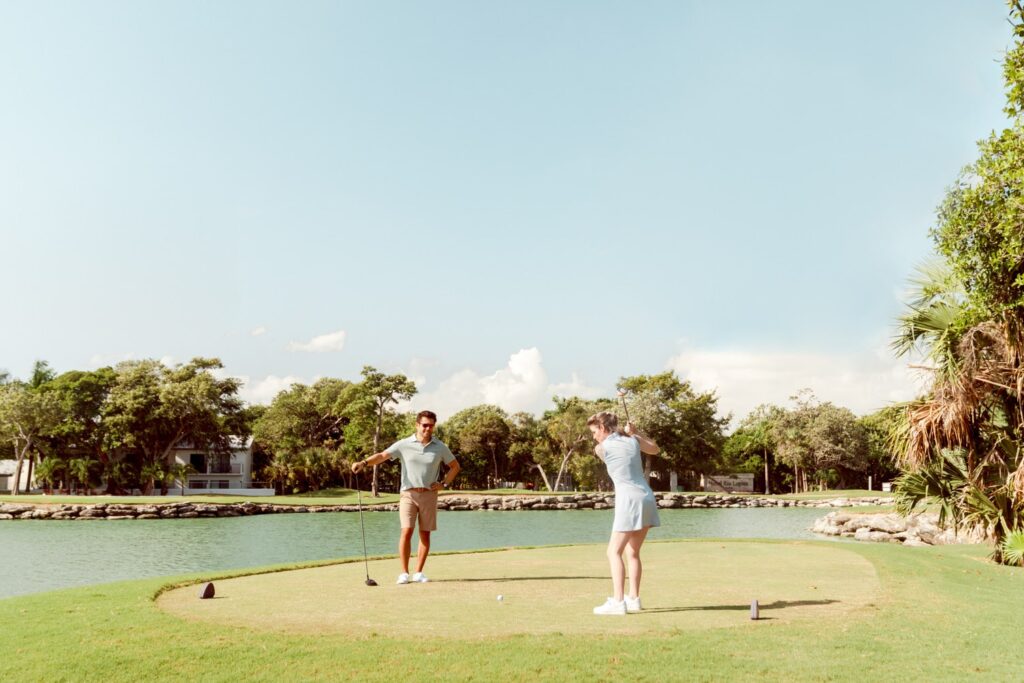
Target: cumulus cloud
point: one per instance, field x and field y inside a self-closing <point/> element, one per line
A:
<point x="332" y="341"/>
<point x="100" y="360"/>
<point x="418" y="369"/>
<point x="258" y="331"/>
<point x="744" y="379"/>
<point x="522" y="385"/>
<point x="264" y="390"/>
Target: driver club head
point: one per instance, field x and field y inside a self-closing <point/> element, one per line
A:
<point x="370" y="582"/>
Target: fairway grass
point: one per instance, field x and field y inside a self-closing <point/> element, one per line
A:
<point x="837" y="611"/>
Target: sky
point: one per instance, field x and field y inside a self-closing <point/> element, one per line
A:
<point x="504" y="201"/>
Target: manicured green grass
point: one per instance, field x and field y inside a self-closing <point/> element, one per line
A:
<point x="873" y="612"/>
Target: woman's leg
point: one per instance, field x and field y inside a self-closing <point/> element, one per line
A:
<point x="615" y="546"/>
<point x="635" y="539"/>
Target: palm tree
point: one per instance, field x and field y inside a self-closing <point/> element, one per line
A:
<point x="276" y="474"/>
<point x="961" y="443"/>
<point x="180" y="472"/>
<point x="150" y="474"/>
<point x="80" y="470"/>
<point x="49" y="471"/>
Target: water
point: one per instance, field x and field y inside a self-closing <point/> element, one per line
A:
<point x="45" y="555"/>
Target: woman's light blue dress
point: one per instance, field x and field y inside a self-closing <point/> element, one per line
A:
<point x="635" y="507"/>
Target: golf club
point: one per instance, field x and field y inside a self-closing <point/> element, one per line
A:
<point x="622" y="397"/>
<point x="366" y="564"/>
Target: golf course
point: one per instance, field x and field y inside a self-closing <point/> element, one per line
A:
<point x="828" y="611"/>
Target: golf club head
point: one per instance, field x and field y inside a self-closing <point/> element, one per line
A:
<point x="370" y="582"/>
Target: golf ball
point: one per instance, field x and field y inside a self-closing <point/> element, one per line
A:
<point x="500" y="598"/>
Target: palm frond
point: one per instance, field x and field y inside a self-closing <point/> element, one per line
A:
<point x="1013" y="548"/>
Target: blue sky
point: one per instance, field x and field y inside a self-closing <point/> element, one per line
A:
<point x="502" y="200"/>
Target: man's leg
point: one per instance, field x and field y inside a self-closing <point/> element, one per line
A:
<point x="423" y="550"/>
<point x="405" y="548"/>
<point x="407" y="512"/>
<point x="426" y="501"/>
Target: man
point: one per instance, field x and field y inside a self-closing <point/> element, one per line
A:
<point x="421" y="456"/>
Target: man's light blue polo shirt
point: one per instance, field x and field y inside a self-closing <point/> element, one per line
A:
<point x="420" y="464"/>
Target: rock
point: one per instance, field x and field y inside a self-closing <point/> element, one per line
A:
<point x="148" y="516"/>
<point x="865" y="534"/>
<point x="914" y="541"/>
<point x="889" y="523"/>
<point x="207" y="591"/>
<point x="4" y="515"/>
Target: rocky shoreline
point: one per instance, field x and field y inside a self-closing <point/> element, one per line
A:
<point x="914" y="530"/>
<point x="455" y="502"/>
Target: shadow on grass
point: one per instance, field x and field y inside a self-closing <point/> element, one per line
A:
<point x="778" y="604"/>
<point x="502" y="579"/>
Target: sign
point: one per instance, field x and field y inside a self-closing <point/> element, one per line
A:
<point x="728" y="483"/>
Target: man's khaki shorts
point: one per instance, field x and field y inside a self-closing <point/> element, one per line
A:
<point x="418" y="504"/>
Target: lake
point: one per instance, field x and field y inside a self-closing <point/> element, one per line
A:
<point x="47" y="555"/>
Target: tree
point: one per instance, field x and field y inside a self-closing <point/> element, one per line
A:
<point x="752" y="446"/>
<point x="51" y="471"/>
<point x="81" y="430"/>
<point x="961" y="443"/>
<point x="568" y="437"/>
<point x="81" y="470"/>
<point x="878" y="428"/>
<point x="151" y="408"/>
<point x="26" y="417"/>
<point x="377" y="392"/>
<point x="41" y="374"/>
<point x="303" y="416"/>
<point x="480" y="436"/>
<point x="683" y="422"/>
<point x="528" y="445"/>
<point x="820" y="440"/>
<point x="180" y="472"/>
<point x="300" y="423"/>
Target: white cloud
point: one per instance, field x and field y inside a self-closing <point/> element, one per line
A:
<point x="521" y="385"/>
<point x="258" y="331"/>
<point x="744" y="379"/>
<point x="264" y="390"/>
<point x="100" y="360"/>
<point x="332" y="341"/>
<point x="418" y="368"/>
<point x="576" y="387"/>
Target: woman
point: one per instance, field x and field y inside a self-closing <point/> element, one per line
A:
<point x="635" y="508"/>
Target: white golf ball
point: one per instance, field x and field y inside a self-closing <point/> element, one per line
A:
<point x="500" y="598"/>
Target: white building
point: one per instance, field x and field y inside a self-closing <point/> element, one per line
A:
<point x="229" y="473"/>
<point x="7" y="468"/>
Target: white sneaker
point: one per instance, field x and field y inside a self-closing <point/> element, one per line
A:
<point x="402" y="578"/>
<point x="611" y="607"/>
<point x="633" y="604"/>
<point x="418" y="577"/>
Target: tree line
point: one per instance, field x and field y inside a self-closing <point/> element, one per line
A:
<point x="116" y="426"/>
